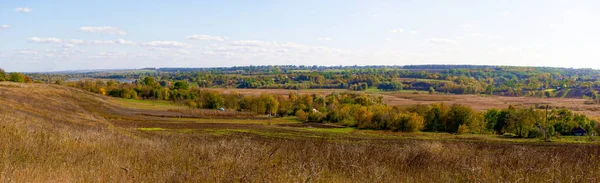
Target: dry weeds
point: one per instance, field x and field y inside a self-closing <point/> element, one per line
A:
<point x="57" y="134"/>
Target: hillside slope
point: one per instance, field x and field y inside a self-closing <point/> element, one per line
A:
<point x="53" y="103"/>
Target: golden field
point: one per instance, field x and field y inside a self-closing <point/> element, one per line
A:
<point x="53" y="133"/>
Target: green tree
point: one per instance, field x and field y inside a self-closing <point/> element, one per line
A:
<point x="17" y="77"/>
<point x="212" y="100"/>
<point x="491" y="118"/>
<point x="181" y="85"/>
<point x="149" y="81"/>
<point x="2" y="75"/>
<point x="459" y="115"/>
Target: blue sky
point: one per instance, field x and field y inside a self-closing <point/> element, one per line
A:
<point x="54" y="35"/>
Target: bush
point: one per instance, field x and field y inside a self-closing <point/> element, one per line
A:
<point x="462" y="129"/>
<point x="315" y="117"/>
<point x="191" y="103"/>
<point x="535" y="133"/>
<point x="301" y="115"/>
<point x="414" y="123"/>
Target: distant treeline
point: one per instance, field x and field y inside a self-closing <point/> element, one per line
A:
<point x="456" y="79"/>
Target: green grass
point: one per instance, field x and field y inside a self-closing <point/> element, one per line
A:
<point x="146" y="104"/>
<point x="373" y="90"/>
<point x="329" y="130"/>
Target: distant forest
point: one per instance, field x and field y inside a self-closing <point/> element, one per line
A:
<point x="454" y="79"/>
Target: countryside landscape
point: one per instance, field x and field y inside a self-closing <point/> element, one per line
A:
<point x="153" y="127"/>
<point x="311" y="91"/>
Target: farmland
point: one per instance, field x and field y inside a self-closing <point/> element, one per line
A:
<point x="478" y="102"/>
<point x="51" y="133"/>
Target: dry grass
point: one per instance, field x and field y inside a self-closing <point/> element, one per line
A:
<point x="58" y="134"/>
<point x="479" y="102"/>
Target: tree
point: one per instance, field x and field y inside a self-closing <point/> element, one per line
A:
<point x="504" y="119"/>
<point x="2" y="75"/>
<point x="17" y="77"/>
<point x="414" y="123"/>
<point x="524" y="121"/>
<point x="181" y="85"/>
<point x="390" y="86"/>
<point x="149" y="81"/>
<point x="491" y="118"/>
<point x="436" y="117"/>
<point x="212" y="100"/>
<point x="459" y="115"/>
<point x="301" y="115"/>
<point x="271" y="104"/>
<point x="462" y="129"/>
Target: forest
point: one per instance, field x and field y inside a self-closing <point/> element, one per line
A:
<point x="541" y="82"/>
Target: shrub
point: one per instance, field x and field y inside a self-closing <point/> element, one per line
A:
<point x="191" y="103"/>
<point x="414" y="123"/>
<point x="315" y="116"/>
<point x="462" y="129"/>
<point x="301" y="115"/>
<point x="535" y="133"/>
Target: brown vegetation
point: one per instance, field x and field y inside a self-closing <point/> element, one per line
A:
<point x="60" y="134"/>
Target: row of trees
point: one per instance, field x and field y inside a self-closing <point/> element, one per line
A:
<point x="507" y="81"/>
<point x="14" y="77"/>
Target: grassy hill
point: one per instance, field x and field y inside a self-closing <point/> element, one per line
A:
<point x="51" y="133"/>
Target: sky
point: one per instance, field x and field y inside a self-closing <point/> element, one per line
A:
<point x="58" y="35"/>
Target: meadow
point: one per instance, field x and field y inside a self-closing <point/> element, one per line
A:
<point x="53" y="133"/>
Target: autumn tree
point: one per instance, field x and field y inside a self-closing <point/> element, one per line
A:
<point x="17" y="77"/>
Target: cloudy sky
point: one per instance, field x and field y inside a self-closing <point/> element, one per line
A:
<point x="53" y="35"/>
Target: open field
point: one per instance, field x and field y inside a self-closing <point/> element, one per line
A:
<point x="53" y="133"/>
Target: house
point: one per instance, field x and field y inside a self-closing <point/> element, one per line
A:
<point x="578" y="131"/>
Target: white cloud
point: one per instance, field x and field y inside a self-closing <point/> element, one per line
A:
<point x="164" y="44"/>
<point x="205" y="37"/>
<point x="4" y="26"/>
<point x="466" y="26"/>
<point x="110" y="42"/>
<point x="26" y="52"/>
<point x="103" y="29"/>
<point x="23" y="10"/>
<point x="324" y="39"/>
<point x="122" y="41"/>
<point x="252" y="43"/>
<point x="441" y="41"/>
<point x="44" y="40"/>
<point x="68" y="46"/>
<point x="399" y="30"/>
<point x="76" y="41"/>
<point x="413" y="32"/>
<point x="183" y="51"/>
